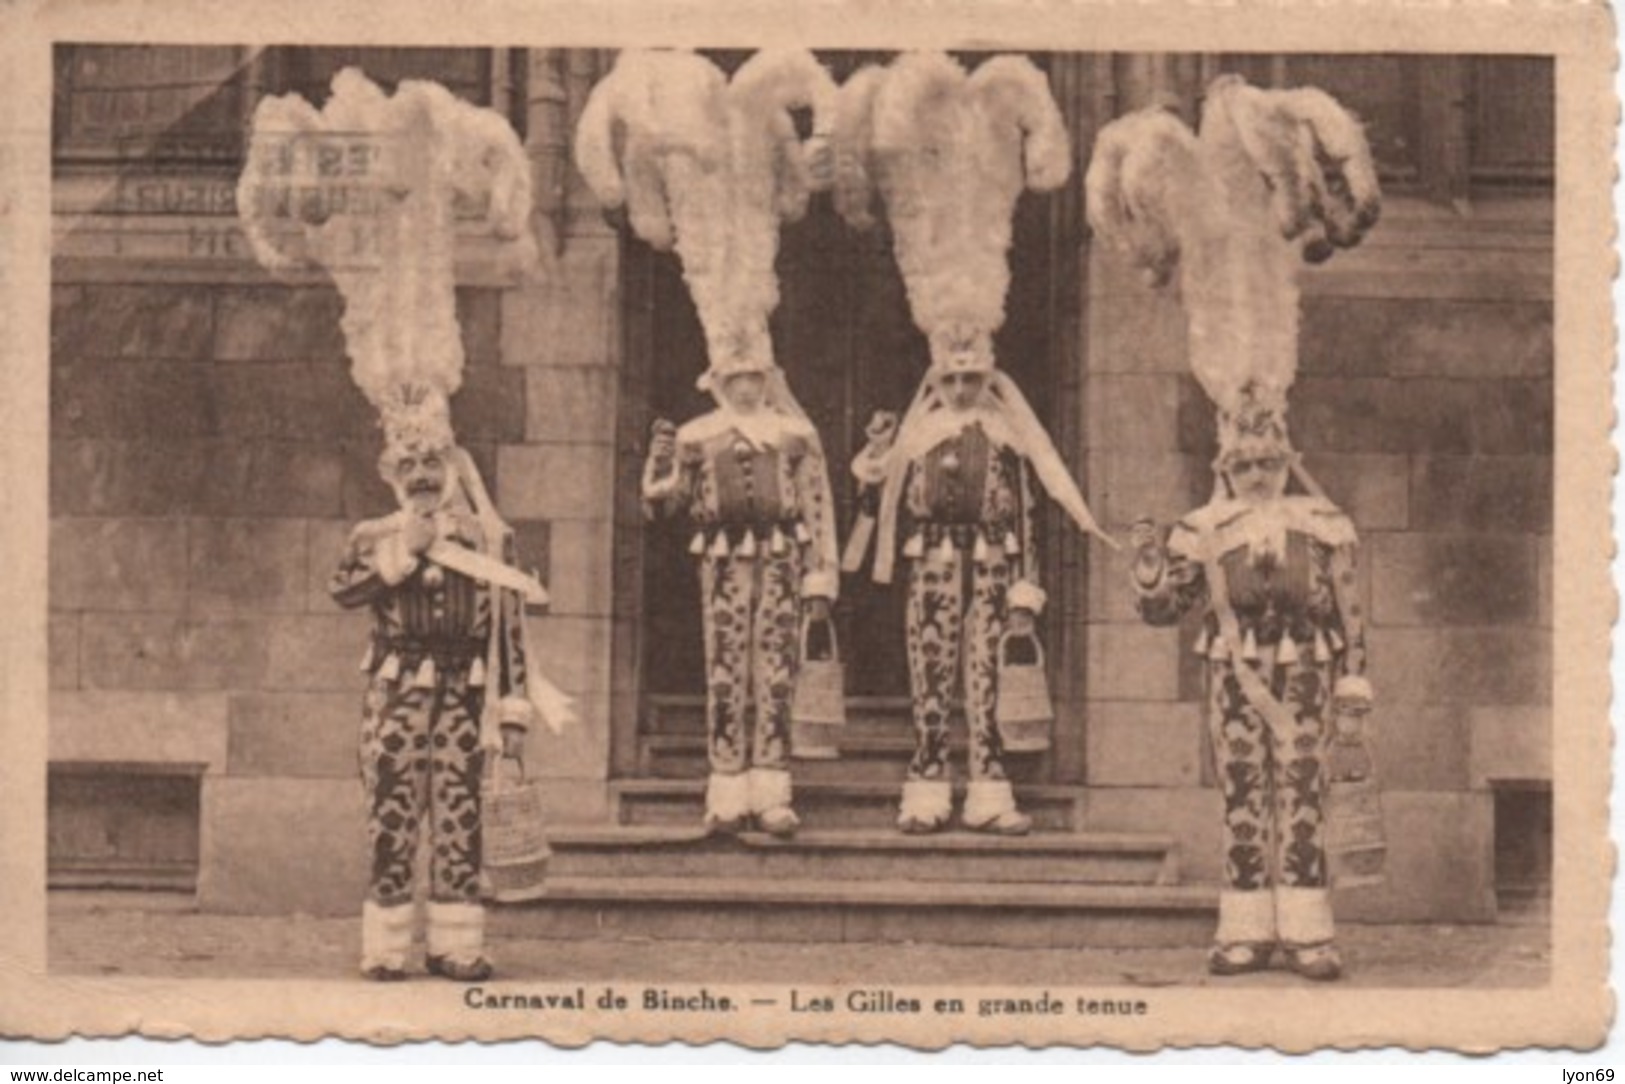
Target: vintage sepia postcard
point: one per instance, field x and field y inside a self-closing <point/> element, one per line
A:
<point x="1065" y="524"/>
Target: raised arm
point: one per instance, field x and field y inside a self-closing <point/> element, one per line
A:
<point x="377" y="557"/>
<point x="1168" y="580"/>
<point x="869" y="469"/>
<point x="667" y="483"/>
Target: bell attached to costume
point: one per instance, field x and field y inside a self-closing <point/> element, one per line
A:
<point x="818" y="711"/>
<point x="1023" y="708"/>
<point x="516" y="851"/>
<point x="1356" y="844"/>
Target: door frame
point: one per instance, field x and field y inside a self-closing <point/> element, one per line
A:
<point x="1082" y="91"/>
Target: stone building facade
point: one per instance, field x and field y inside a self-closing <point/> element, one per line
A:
<point x="208" y="454"/>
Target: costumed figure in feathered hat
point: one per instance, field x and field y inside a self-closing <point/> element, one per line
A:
<point x="1273" y="179"/>
<point x="711" y="166"/>
<point x="952" y="486"/>
<point x="447" y="668"/>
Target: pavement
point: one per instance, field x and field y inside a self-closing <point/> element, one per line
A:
<point x="158" y="936"/>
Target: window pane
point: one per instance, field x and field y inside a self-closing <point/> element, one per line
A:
<point x="1513" y="129"/>
<point x="188" y="104"/>
<point x="464" y="72"/>
<point x="1259" y="69"/>
<point x="1381" y="92"/>
<point x="140" y="101"/>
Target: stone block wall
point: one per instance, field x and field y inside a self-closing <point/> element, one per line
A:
<point x="209" y="456"/>
<point x="1426" y="410"/>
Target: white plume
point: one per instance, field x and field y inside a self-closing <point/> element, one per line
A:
<point x="711" y="167"/>
<point x="951" y="153"/>
<point x="1273" y="178"/>
<point x="367" y="188"/>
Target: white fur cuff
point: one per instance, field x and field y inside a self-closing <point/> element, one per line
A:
<point x="769" y="789"/>
<point x="1304" y="915"/>
<point x="515" y="711"/>
<point x="927" y="799"/>
<point x="659" y="489"/>
<point x="987" y="800"/>
<point x="395" y="562"/>
<point x="1353" y="687"/>
<point x="869" y="469"/>
<point x="386" y="935"/>
<point x="824" y="583"/>
<point x="727" y="797"/>
<point x="1026" y="595"/>
<point x="456" y="930"/>
<point x="1246" y="917"/>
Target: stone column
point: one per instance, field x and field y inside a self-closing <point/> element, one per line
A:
<point x="563" y="329"/>
<point x="1143" y="431"/>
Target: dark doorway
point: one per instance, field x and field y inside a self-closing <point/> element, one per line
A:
<point x="127" y="826"/>
<point x="1523" y="850"/>
<point x="844" y="336"/>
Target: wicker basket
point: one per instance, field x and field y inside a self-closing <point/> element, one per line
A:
<point x="818" y="712"/>
<point x="1023" y="708"/>
<point x="515" y="841"/>
<point x="1356" y="842"/>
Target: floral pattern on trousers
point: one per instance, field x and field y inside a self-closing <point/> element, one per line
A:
<point x="421" y="761"/>
<point x="752" y="615"/>
<point x="954" y="644"/>
<point x="1274" y="785"/>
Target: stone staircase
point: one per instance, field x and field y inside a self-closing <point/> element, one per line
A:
<point x="876" y="744"/>
<point x="848" y="875"/>
<point x="830" y="804"/>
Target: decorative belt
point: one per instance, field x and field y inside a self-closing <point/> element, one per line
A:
<point x="1323" y="646"/>
<point x="749" y="539"/>
<point x="981" y="540"/>
<point x="422" y="660"/>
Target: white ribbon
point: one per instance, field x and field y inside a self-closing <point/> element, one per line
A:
<point x="489" y="570"/>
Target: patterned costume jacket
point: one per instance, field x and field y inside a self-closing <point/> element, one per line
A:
<point x="1289" y="571"/>
<point x="756" y="491"/>
<point x="965" y="527"/>
<point x="440" y="646"/>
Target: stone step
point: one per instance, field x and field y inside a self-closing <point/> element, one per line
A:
<point x="865" y="758"/>
<point x="727" y="909"/>
<point x="866" y="855"/>
<point x="866" y="717"/>
<point x="830" y="805"/>
<point x="128" y="876"/>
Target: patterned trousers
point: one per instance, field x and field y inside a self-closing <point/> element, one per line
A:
<point x="956" y="614"/>
<point x="421" y="761"/>
<point x="752" y="617"/>
<point x="1274" y="785"/>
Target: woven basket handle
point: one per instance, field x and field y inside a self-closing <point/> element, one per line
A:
<point x="491" y="763"/>
<point x="1350" y="756"/>
<point x="1009" y="638"/>
<point x="806" y="629"/>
